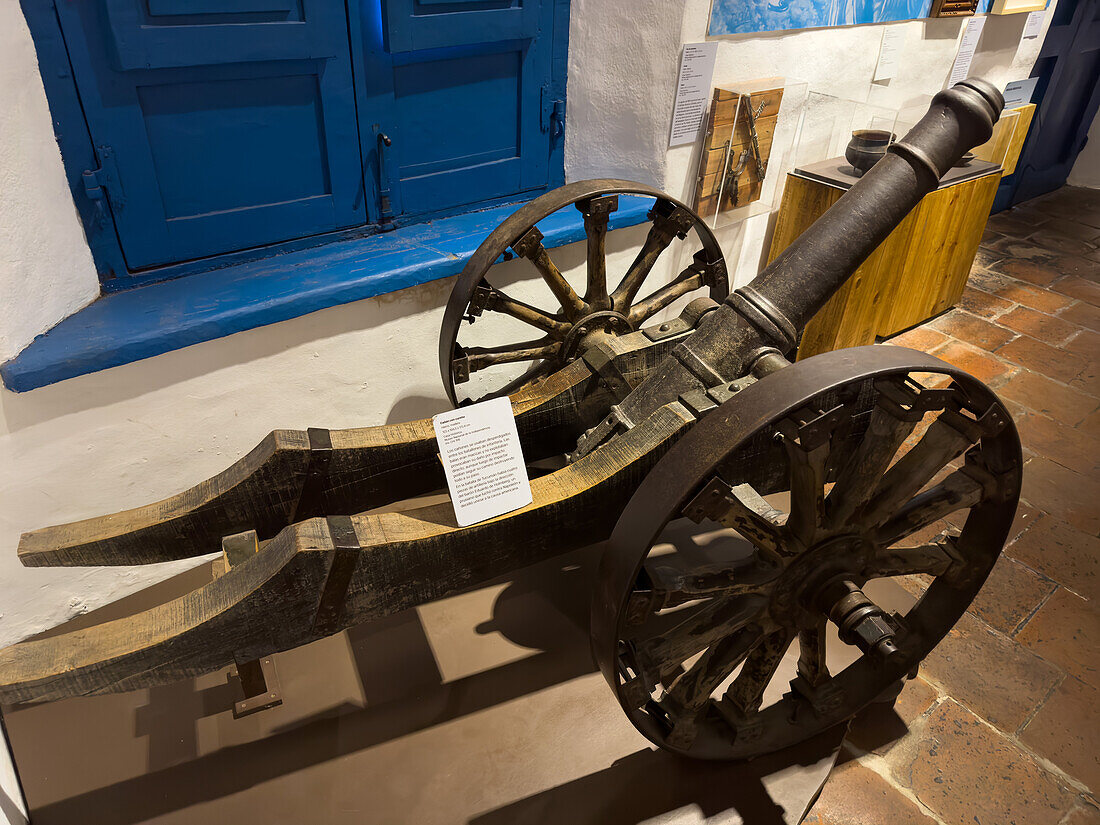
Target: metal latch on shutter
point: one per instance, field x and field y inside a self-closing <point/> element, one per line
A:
<point x="552" y="115"/>
<point x="93" y="185"/>
<point x="97" y="182"/>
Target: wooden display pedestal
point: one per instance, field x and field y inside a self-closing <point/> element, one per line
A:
<point x="917" y="272"/>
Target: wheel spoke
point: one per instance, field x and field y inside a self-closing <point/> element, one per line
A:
<point x="530" y="247"/>
<point x="944" y="441"/>
<point x="493" y="300"/>
<point x="740" y="508"/>
<point x="705" y="627"/>
<point x="596" y="213"/>
<point x="671" y="586"/>
<point x="956" y="492"/>
<point x="687" y="281"/>
<point x="482" y="357"/>
<point x="694" y="687"/>
<point x="933" y="559"/>
<point x="668" y="222"/>
<point x="747" y="691"/>
<point x="807" y="482"/>
<point x="533" y="372"/>
<point x="811" y="655"/>
<point x="868" y="462"/>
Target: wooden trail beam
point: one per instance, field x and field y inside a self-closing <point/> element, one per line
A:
<point x="271" y="600"/>
<point x="273" y="485"/>
<point x="293" y="474"/>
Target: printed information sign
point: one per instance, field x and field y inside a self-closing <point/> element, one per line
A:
<point x="481" y="454"/>
<point x="692" y="91"/>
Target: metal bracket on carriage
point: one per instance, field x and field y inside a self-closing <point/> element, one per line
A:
<point x="670" y="220"/>
<point x="663" y="584"/>
<point x="701" y="402"/>
<point x="611" y="422"/>
<point x="692" y="314"/>
<point x="484" y="297"/>
<point x="260" y="683"/>
<point x="823" y="698"/>
<point x="258" y="678"/>
<point x="603" y="359"/>
<point x="809" y="428"/>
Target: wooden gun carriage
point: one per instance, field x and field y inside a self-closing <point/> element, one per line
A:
<point x="832" y="470"/>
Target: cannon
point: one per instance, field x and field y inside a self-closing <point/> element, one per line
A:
<point x="833" y="471"/>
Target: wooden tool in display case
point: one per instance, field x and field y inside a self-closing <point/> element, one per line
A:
<point x="737" y="146"/>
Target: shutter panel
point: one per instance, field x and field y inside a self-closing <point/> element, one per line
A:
<point x="433" y="24"/>
<point x="470" y="84"/>
<point x="219" y="124"/>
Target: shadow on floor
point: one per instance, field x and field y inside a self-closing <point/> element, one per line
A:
<point x="643" y="786"/>
<point x="543" y="611"/>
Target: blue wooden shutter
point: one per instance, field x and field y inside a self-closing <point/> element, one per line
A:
<point x="474" y="91"/>
<point x="218" y="124"/>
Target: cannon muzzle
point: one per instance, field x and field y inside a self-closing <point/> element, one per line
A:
<point x="800" y="281"/>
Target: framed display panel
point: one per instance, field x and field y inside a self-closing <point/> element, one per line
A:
<point x="953" y="8"/>
<point x="1016" y="6"/>
<point x="746" y="148"/>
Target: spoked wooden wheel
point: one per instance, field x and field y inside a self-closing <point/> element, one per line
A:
<point x="537" y="340"/>
<point x="690" y="645"/>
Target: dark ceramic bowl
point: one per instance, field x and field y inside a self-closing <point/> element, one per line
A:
<point x="867" y="147"/>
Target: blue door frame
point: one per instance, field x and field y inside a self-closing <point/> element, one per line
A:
<point x="513" y="55"/>
<point x="1067" y="95"/>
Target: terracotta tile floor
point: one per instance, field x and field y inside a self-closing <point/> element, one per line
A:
<point x="1003" y="723"/>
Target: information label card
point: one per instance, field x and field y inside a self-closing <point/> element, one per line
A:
<point x="1034" y="24"/>
<point x="692" y="91"/>
<point x="1019" y="92"/>
<point x="888" y="55"/>
<point x="486" y="474"/>
<point x="971" y="35"/>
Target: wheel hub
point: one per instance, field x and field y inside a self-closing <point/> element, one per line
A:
<point x="591" y="330"/>
<point x="797" y="600"/>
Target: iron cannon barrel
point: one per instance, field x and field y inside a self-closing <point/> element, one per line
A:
<point x="770" y="313"/>
<point x="813" y="268"/>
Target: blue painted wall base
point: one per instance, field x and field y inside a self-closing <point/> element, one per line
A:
<point x="123" y="327"/>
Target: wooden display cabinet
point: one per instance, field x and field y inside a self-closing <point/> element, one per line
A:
<point x="1016" y="6"/>
<point x="917" y="272"/>
<point x="920" y="270"/>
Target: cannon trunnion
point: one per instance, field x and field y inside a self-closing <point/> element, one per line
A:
<point x="819" y="477"/>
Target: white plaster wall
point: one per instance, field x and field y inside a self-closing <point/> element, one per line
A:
<point x="44" y="258"/>
<point x="1086" y="169"/>
<point x="140" y="432"/>
<point x="623" y="62"/>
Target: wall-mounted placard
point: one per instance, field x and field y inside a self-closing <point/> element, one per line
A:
<point x="692" y="87"/>
<point x="1019" y="92"/>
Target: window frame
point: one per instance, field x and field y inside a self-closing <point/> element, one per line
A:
<point x="78" y="155"/>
